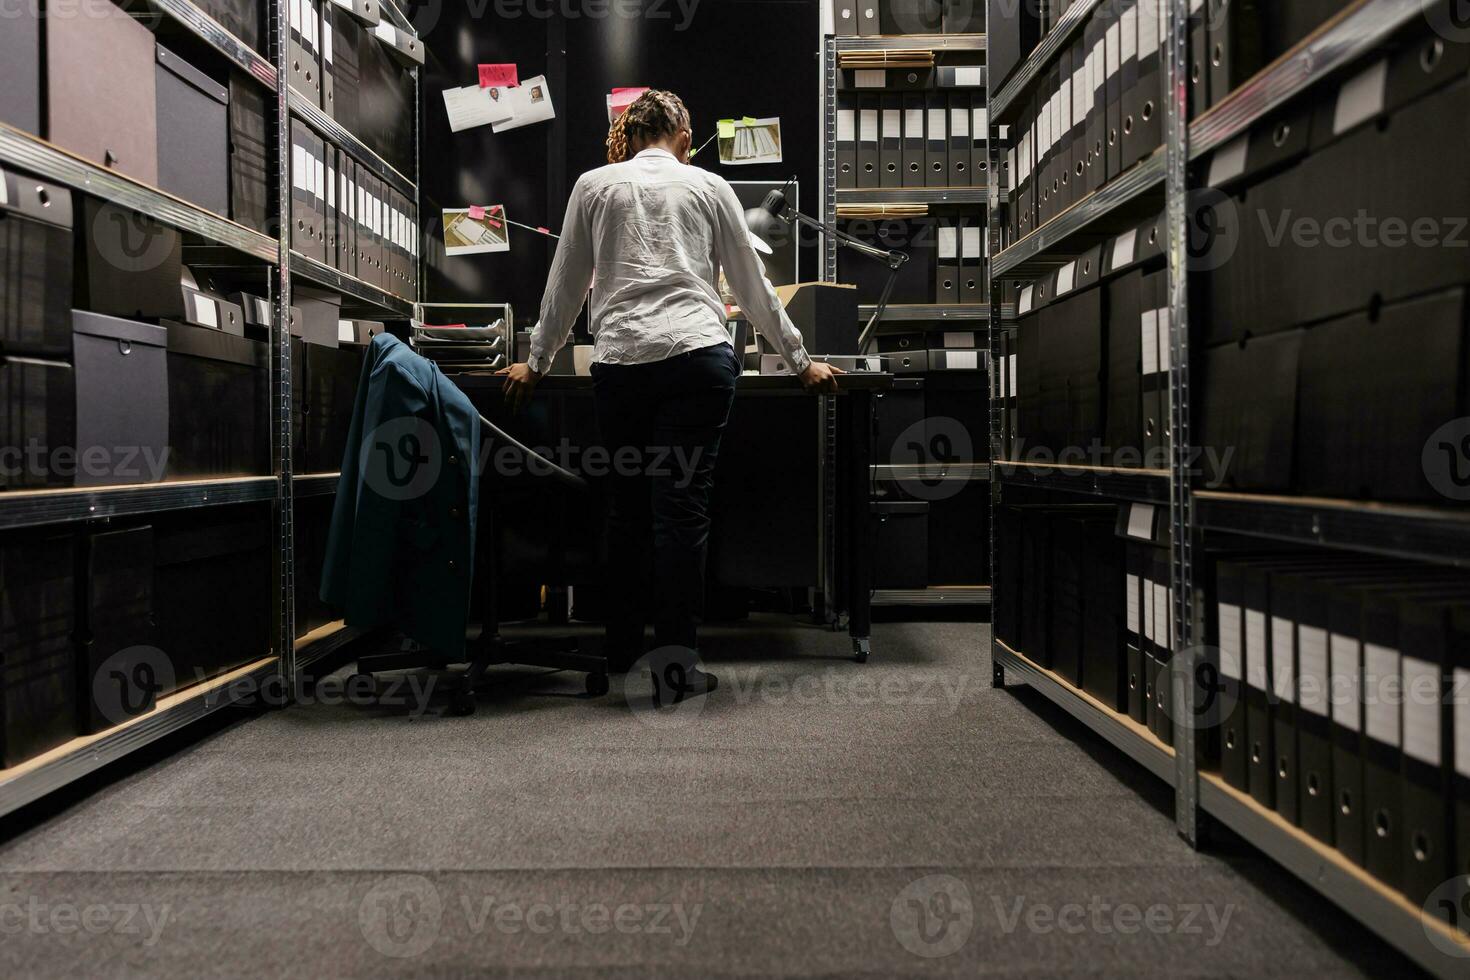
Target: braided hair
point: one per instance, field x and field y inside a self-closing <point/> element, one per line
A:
<point x="652" y="116"/>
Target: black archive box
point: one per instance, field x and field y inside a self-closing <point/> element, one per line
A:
<point x="37" y="625"/>
<point x="1249" y="411"/>
<point x="1014" y="31"/>
<point x="323" y="391"/>
<point x="121" y="399"/>
<point x="37" y="256"/>
<point x="218" y="390"/>
<point x="120" y="667"/>
<point x="250" y="198"/>
<point x="128" y="264"/>
<point x="193" y="134"/>
<point x="20" y="68"/>
<point x="241" y="18"/>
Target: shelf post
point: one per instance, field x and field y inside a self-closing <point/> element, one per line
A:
<point x="283" y="572"/>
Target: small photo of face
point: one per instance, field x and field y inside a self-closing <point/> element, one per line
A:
<point x="537" y="94"/>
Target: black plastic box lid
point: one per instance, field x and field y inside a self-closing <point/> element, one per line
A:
<point x="193" y="76"/>
<point x="116" y="328"/>
<point x="35" y="199"/>
<point x="215" y="345"/>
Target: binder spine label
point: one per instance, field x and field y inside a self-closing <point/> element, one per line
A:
<point x="1347" y="681"/>
<point x="1421" y="710"/>
<point x="1312" y="670"/>
<point x="1381" y="693"/>
<point x="1462" y="721"/>
<point x="1255" y="649"/>
<point x="1230" y="658"/>
<point x="1134" y="624"/>
<point x="1282" y="682"/>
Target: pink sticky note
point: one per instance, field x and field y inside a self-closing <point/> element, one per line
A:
<point x="477" y="213"/>
<point x="498" y="76"/>
<point x="621" y="98"/>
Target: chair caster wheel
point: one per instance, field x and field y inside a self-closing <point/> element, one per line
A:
<point x="597" y="685"/>
<point x="860" y="650"/>
<point x="461" y="704"/>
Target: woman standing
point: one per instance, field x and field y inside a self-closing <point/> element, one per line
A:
<point x="649" y="235"/>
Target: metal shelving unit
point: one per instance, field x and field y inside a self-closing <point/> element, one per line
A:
<point x="36" y="156"/>
<point x="226" y="244"/>
<point x="912" y="42"/>
<point x="1422" y="533"/>
<point x="321" y="643"/>
<point x="925" y="313"/>
<point x="934" y="595"/>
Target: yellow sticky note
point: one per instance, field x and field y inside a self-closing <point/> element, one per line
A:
<point x="726" y="128"/>
<point x="748" y="120"/>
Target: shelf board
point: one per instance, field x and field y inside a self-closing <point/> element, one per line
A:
<point x="329" y="128"/>
<point x="1352" y="33"/>
<point x="1135" y="741"/>
<point x="1026" y="75"/>
<point x="879" y="196"/>
<point x="324" y="641"/>
<point x="932" y="472"/>
<point x="1385" y="912"/>
<point x="937" y="43"/>
<point x="40" y="158"/>
<point x="934" y="595"/>
<point x="314" y="484"/>
<point x="925" y="312"/>
<point x="1113" y="482"/>
<point x="372" y="300"/>
<point x="30" y="508"/>
<point x="209" y="30"/>
<point x="1030" y="254"/>
<point x="1437" y="534"/>
<point x="48" y="772"/>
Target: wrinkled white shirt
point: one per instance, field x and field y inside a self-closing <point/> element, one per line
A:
<point x="650" y="236"/>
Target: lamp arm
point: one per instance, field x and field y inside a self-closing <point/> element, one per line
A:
<point x="856" y="244"/>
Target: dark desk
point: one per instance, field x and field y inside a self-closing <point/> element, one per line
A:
<point x="779" y="520"/>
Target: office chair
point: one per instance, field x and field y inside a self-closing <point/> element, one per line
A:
<point x="535" y="476"/>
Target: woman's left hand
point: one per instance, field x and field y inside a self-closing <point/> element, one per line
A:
<point x="520" y="382"/>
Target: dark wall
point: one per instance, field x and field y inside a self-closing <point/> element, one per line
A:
<point x="727" y="58"/>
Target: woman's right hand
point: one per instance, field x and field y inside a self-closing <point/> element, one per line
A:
<point x="520" y="382"/>
<point x="820" y="378"/>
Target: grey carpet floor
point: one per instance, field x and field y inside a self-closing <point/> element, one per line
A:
<point x="814" y="817"/>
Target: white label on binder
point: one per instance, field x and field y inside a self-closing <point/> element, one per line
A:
<point x="959" y="338"/>
<point x="1081" y="91"/>
<point x="1422" y="699"/>
<point x="298" y="167"/>
<point x="1064" y="106"/>
<point x="4" y="189"/>
<point x="846" y="125"/>
<point x="936" y="125"/>
<point x="1011" y="162"/>
<point x="1255" y="649"/>
<point x="206" y="313"/>
<point x="331" y="188"/>
<point x="1129" y="39"/>
<point x="313" y="27"/>
<point x="948" y="242"/>
<point x="1230" y="653"/>
<point x="1228" y="161"/>
<point x="1347" y="680"/>
<point x="868" y="125"/>
<point x="1097" y="63"/>
<point x="1012" y="373"/>
<point x="969" y="76"/>
<point x="1311" y="655"/>
<point x="1195" y="6"/>
<point x="1381" y="692"/>
<point x="913" y="125"/>
<point x="1148" y="609"/>
<point x="1148" y="27"/>
<point x="1283" y="637"/>
<point x="1148" y="329"/>
<point x="1161" y="615"/>
<point x="870" y="78"/>
<point x="319" y="178"/>
<point x="1123" y="249"/>
<point x="296" y="15"/>
<point x="327" y="45"/>
<point x="1141" y="521"/>
<point x="979" y="122"/>
<point x="1131" y="584"/>
<point x="1361" y="97"/>
<point x="959" y="123"/>
<point x="1065" y="275"/>
<point x="1114" y="42"/>
<point x="970" y="242"/>
<point x="1462" y="721"/>
<point x="1023" y="305"/>
<point x="961" y="360"/>
<point x="352" y="200"/>
<point x="1165" y="318"/>
<point x="891" y="120"/>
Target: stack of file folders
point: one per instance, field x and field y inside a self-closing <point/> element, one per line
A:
<point x="461" y="345"/>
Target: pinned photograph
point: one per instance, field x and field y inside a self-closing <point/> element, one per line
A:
<point x="748" y="141"/>
<point x="476" y="230"/>
<point x="529" y="102"/>
<point x="473" y="106"/>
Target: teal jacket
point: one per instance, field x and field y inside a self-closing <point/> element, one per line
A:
<point x="401" y="545"/>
